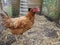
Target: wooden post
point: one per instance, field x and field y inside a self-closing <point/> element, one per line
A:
<point x="41" y="4"/>
<point x="58" y="11"/>
<point x="15" y="8"/>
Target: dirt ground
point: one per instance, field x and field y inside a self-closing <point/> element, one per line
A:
<point x="43" y="32"/>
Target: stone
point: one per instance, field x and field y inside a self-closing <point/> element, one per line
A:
<point x="10" y="39"/>
<point x="51" y="33"/>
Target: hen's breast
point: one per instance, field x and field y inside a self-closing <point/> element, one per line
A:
<point x="17" y="31"/>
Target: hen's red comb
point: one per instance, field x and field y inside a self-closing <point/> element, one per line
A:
<point x="36" y="9"/>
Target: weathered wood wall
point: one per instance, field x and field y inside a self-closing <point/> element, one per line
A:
<point x="34" y="3"/>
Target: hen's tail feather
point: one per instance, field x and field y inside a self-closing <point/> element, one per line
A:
<point x="4" y="14"/>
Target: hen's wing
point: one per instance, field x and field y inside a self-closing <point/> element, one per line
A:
<point x="17" y="22"/>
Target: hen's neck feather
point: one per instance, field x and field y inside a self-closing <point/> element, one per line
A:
<point x="31" y="16"/>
